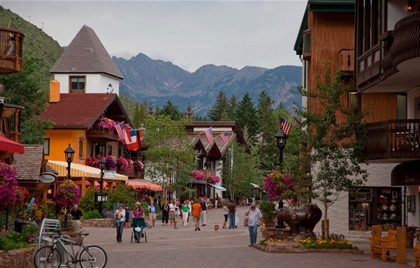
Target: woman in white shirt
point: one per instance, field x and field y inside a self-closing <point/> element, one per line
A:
<point x="120" y="217"/>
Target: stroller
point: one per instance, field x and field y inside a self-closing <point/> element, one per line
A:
<point x="138" y="225"/>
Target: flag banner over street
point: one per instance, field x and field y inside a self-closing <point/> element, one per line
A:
<point x="285" y="125"/>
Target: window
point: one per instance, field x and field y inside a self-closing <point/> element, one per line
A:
<point x="77" y="84"/>
<point x="81" y="151"/>
<point x="46" y="146"/>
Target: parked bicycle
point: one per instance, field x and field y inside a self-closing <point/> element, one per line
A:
<point x="62" y="253"/>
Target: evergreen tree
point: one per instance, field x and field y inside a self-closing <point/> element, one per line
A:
<point x="220" y="108"/>
<point x="268" y="127"/>
<point x="171" y="110"/>
<point x="246" y="117"/>
<point x="24" y="89"/>
<point x="233" y="104"/>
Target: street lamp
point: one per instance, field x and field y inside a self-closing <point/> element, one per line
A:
<point x="281" y="138"/>
<point x="102" y="163"/>
<point x="69" y="154"/>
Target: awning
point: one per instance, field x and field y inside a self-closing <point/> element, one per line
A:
<point x="218" y="187"/>
<point x="147" y="185"/>
<point x="11" y="146"/>
<point x="78" y="170"/>
<point x="254" y="185"/>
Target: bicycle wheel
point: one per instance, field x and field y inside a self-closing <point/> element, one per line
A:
<point x="93" y="256"/>
<point x="47" y="257"/>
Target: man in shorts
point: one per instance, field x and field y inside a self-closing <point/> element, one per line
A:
<point x="196" y="212"/>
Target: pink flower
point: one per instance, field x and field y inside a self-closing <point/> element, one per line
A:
<point x="214" y="179"/>
<point x="198" y="175"/>
<point x="278" y="185"/>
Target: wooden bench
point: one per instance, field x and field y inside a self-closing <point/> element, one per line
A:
<point x="382" y="246"/>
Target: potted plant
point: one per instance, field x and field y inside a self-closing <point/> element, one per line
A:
<point x="267" y="209"/>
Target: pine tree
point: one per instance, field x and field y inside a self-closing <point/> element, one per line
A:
<point x="220" y="108"/>
<point x="246" y="117"/>
<point x="171" y="110"/>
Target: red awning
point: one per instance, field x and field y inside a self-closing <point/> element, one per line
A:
<point x="11" y="146"/>
<point x="144" y="185"/>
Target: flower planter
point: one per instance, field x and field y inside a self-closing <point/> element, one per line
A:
<point x="409" y="239"/>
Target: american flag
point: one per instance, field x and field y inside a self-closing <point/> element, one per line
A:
<point x="119" y="128"/>
<point x="285" y="125"/>
<point x="225" y="137"/>
<point x="209" y="134"/>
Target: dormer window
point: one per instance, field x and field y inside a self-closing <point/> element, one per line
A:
<point x="77" y="84"/>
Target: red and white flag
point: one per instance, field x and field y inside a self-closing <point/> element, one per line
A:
<point x="225" y="137"/>
<point x="209" y="135"/>
<point x="140" y="138"/>
<point x="127" y="137"/>
<point x="120" y="130"/>
<point x="285" y="125"/>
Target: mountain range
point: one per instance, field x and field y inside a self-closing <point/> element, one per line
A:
<point x="158" y="81"/>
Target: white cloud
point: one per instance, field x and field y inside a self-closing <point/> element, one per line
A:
<point x="187" y="33"/>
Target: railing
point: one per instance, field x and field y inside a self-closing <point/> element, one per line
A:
<point x="11" y="48"/>
<point x="406" y="44"/>
<point x="393" y="139"/>
<point x="103" y="133"/>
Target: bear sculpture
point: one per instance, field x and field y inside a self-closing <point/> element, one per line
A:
<point x="307" y="216"/>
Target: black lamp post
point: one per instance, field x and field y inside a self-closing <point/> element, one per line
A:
<point x="102" y="163"/>
<point x="281" y="138"/>
<point x="69" y="154"/>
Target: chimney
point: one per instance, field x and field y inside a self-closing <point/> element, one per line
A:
<point x="54" y="91"/>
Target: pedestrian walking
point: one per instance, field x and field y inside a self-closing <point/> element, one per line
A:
<point x="196" y="213"/>
<point x="120" y="217"/>
<point x="165" y="212"/>
<point x="225" y="214"/>
<point x="185" y="210"/>
<point x="232" y="211"/>
<point x="152" y="211"/>
<point x="204" y="206"/>
<point x="254" y="220"/>
<point x="173" y="213"/>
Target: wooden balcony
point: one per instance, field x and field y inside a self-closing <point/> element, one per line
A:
<point x="101" y="134"/>
<point x="11" y="48"/>
<point x="393" y="141"/>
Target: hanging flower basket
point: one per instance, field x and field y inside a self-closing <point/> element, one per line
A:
<point x="214" y="179"/>
<point x="138" y="166"/>
<point x="111" y="162"/>
<point x="7" y="182"/>
<point x="198" y="175"/>
<point x="68" y="194"/>
<point x="124" y="164"/>
<point x="20" y="194"/>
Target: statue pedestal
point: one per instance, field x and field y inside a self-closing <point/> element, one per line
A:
<point x="278" y="233"/>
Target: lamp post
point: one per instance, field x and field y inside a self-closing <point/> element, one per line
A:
<point x="281" y="138"/>
<point x="102" y="163"/>
<point x="69" y="154"/>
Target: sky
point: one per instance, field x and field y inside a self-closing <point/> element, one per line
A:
<point x="189" y="34"/>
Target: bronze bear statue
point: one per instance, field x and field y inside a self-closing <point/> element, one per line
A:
<point x="307" y="216"/>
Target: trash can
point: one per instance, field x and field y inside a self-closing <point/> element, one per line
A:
<point x="19" y="225"/>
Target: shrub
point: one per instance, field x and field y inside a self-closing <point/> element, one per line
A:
<point x="323" y="243"/>
<point x="12" y="240"/>
<point x="87" y="202"/>
<point x="92" y="214"/>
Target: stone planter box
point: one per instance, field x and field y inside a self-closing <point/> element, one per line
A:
<point x="22" y="257"/>
<point x="105" y="222"/>
<point x="292" y="247"/>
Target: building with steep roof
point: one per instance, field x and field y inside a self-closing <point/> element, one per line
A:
<point x="86" y="66"/>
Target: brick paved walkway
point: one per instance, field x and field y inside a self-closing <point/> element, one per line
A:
<point x="168" y="248"/>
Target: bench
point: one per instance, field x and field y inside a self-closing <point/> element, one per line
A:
<point x="417" y="255"/>
<point x="382" y="246"/>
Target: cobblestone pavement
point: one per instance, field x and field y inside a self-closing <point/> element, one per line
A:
<point x="184" y="247"/>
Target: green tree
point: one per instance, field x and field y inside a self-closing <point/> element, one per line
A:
<point x="336" y="145"/>
<point x="220" y="109"/>
<point x="24" y="89"/>
<point x="268" y="127"/>
<point x="246" y="117"/>
<point x="240" y="170"/>
<point x="171" y="110"/>
<point x="170" y="154"/>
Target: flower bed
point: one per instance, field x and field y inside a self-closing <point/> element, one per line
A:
<point x="22" y="257"/>
<point x="272" y="245"/>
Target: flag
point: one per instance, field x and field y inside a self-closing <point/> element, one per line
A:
<point x="140" y="138"/>
<point x="285" y="125"/>
<point x="119" y="128"/>
<point x="225" y="137"/>
<point x="133" y="145"/>
<point x="209" y="135"/>
<point x="127" y="137"/>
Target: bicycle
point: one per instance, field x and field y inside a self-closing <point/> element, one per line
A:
<point x="52" y="255"/>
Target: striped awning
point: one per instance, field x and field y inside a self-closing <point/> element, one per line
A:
<point x="78" y="170"/>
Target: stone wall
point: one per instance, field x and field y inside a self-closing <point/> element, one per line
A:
<point x="105" y="222"/>
<point x="22" y="257"/>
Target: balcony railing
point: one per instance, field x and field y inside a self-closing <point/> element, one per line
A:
<point x="11" y="48"/>
<point x="393" y="139"/>
<point x="101" y="134"/>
